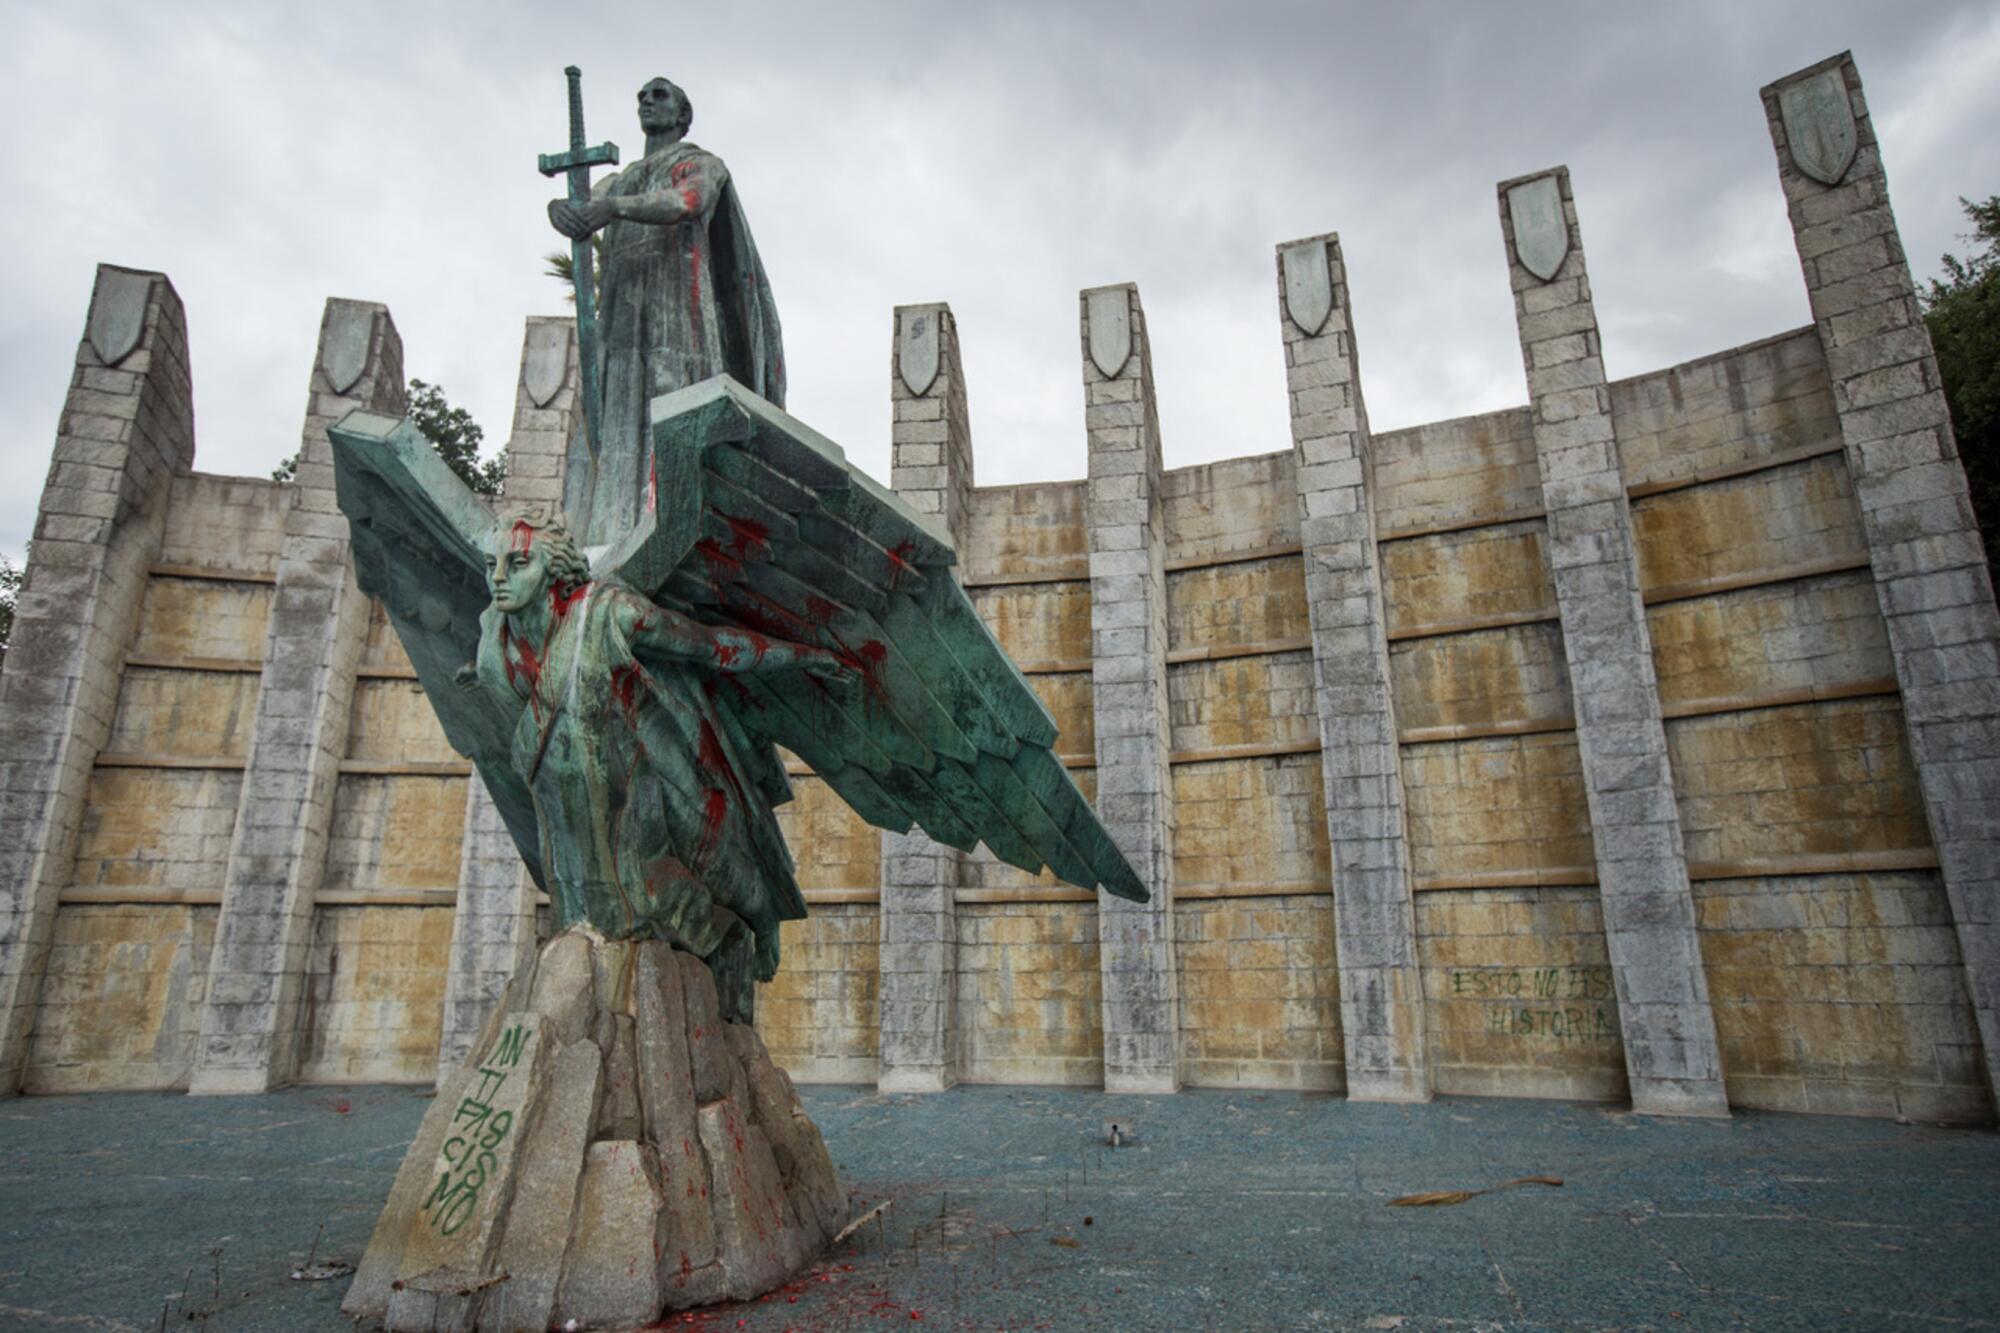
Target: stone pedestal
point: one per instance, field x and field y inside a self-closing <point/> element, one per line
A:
<point x="612" y="1149"/>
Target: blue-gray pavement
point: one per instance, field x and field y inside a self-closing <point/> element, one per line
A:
<point x="1232" y="1210"/>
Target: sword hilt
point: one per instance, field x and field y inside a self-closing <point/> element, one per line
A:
<point x="575" y="77"/>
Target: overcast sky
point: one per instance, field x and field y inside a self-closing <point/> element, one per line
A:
<point x="996" y="157"/>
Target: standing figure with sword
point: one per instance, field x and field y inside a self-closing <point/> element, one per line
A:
<point x="683" y="297"/>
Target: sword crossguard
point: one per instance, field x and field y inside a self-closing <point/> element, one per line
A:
<point x="555" y="164"/>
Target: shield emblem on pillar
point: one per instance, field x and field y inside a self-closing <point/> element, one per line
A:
<point x="1819" y="125"/>
<point x="350" y="328"/>
<point x="1308" y="286"/>
<point x="1541" y="234"/>
<point x="1109" y="312"/>
<point x="118" y="313"/>
<point x="546" y="363"/>
<point x="917" y="350"/>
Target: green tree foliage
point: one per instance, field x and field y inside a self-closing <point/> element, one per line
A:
<point x="1963" y="311"/>
<point x="10" y="588"/>
<point x="451" y="431"/>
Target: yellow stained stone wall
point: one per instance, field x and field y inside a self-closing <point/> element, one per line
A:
<point x="1811" y="779"/>
<point x="1255" y="821"/>
<point x="1518" y="999"/>
<point x="1247" y="604"/>
<point x="1260" y="995"/>
<point x="120" y="1005"/>
<point x="1067" y="696"/>
<point x="1482" y="678"/>
<point x="203" y="618"/>
<point x="1749" y="403"/>
<point x="226" y="523"/>
<point x="1029" y="1003"/>
<point x="1455" y="471"/>
<point x="157" y="828"/>
<point x="1261" y="700"/>
<point x="391" y="721"/>
<point x="1038" y="622"/>
<point x="1500" y="804"/>
<point x="374" y="999"/>
<point x="1458" y="576"/>
<point x="832" y="847"/>
<point x="184" y="714"/>
<point x="395" y="832"/>
<point x="1033" y="529"/>
<point x="820" y="1016"/>
<point x="1748" y="525"/>
<point x="1801" y="634"/>
<point x="1238" y="504"/>
<point x="1841" y="993"/>
<point x="383" y="648"/>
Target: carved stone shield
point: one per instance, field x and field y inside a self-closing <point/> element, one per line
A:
<point x="350" y="328"/>
<point x="1819" y="125"/>
<point x="1109" y="311"/>
<point x="1541" y="235"/>
<point x="118" y="313"/>
<point x="1308" y="286"/>
<point x="545" y="363"/>
<point x="917" y="350"/>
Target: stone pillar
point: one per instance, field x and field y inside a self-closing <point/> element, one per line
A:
<point x="493" y="923"/>
<point x="1128" y="634"/>
<point x="319" y="621"/>
<point x="127" y="428"/>
<point x="1931" y="575"/>
<point x="931" y="469"/>
<point x="1381" y="986"/>
<point x="1671" y="1055"/>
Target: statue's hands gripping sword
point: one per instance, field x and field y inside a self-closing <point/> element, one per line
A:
<point x="577" y="163"/>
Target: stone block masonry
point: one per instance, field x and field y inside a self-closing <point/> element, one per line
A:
<point x="1373" y="711"/>
<point x="1128" y="630"/>
<point x="127" y="430"/>
<point x="1930" y="569"/>
<point x="493" y="930"/>
<point x="930" y="468"/>
<point x="1642" y="876"/>
<point x="319" y="621"/>
<point x="1381" y="990"/>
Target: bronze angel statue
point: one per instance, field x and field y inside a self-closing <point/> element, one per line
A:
<point x="626" y="709"/>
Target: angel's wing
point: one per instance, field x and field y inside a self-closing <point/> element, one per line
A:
<point x="419" y="539"/>
<point x="759" y="522"/>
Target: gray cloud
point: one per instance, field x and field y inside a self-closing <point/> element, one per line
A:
<point x="996" y="157"/>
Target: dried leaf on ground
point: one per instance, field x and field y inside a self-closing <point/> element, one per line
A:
<point x="1445" y="1198"/>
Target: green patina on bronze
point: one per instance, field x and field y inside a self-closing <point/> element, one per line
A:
<point x="626" y="714"/>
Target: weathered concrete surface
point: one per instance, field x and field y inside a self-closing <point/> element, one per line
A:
<point x="318" y="618"/>
<point x="930" y="462"/>
<point x="1765" y="1221"/>
<point x="1128" y="630"/>
<point x="1671" y="1059"/>
<point x="612" y="1148"/>
<point x="126" y="431"/>
<point x="1381" y="990"/>
<point x="1929" y="564"/>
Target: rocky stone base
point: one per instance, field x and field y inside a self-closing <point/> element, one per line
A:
<point x="612" y="1150"/>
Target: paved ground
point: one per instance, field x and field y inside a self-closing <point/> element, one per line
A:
<point x="1233" y="1211"/>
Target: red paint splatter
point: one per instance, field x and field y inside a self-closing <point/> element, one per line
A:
<point x="725" y="654"/>
<point x="521" y="537"/>
<point x="524" y="668"/>
<point x="625" y="682"/>
<point x="563" y="596"/>
<point x="820" y="611"/>
<point x="653" y="485"/>
<point x="899" y="560"/>
<point x="749" y="538"/>
<point x="721" y="564"/>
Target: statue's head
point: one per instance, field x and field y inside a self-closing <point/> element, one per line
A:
<point x="530" y="553"/>
<point x="664" y="108"/>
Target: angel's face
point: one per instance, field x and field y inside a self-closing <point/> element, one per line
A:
<point x="518" y="569"/>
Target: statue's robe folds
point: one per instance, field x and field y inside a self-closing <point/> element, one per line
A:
<point x="677" y="303"/>
<point x="646" y="823"/>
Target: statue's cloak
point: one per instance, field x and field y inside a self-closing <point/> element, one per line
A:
<point x="677" y="305"/>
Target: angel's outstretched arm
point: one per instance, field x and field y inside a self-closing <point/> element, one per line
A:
<point x="664" y="633"/>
